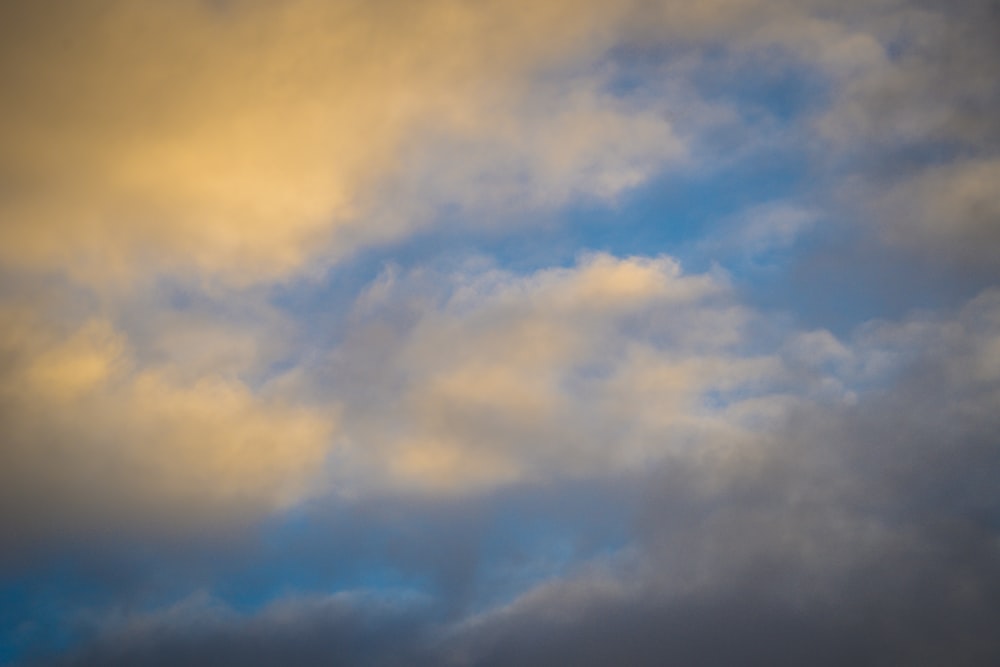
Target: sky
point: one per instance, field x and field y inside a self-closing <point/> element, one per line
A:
<point x="456" y="333"/>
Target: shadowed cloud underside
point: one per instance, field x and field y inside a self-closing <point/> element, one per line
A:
<point x="496" y="333"/>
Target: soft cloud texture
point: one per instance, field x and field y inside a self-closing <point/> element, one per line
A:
<point x="236" y="140"/>
<point x="249" y="141"/>
<point x="951" y="211"/>
<point x="91" y="436"/>
<point x="473" y="333"/>
<point x="862" y="532"/>
<point x="500" y="378"/>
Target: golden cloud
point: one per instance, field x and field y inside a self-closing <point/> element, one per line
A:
<point x="246" y="139"/>
<point x="92" y="434"/>
<point x="563" y="372"/>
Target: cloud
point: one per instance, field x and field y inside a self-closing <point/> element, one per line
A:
<point x="760" y="232"/>
<point x="356" y="629"/>
<point x="917" y="143"/>
<point x="443" y="383"/>
<point x="950" y="212"/>
<point x="500" y="378"/>
<point x="92" y="434"/>
<point x="249" y="142"/>
<point x="246" y="141"/>
<point x="926" y="79"/>
<point x="607" y="460"/>
<point x="185" y="415"/>
<point x="861" y="532"/>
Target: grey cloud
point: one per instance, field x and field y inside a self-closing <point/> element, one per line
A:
<point x="935" y="81"/>
<point x="493" y="378"/>
<point x="949" y="212"/>
<point x="336" y="630"/>
<point x="915" y="138"/>
<point x="862" y="534"/>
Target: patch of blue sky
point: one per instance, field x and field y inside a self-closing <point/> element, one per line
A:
<point x="664" y="215"/>
<point x="293" y="554"/>
<point x="39" y="610"/>
<point x="50" y="608"/>
<point x="544" y="534"/>
<point x="762" y="82"/>
<point x="531" y="554"/>
<point x="491" y="550"/>
<point x="667" y="215"/>
<point x="833" y="274"/>
<point x="674" y="213"/>
<point x="251" y="589"/>
<point x="17" y="603"/>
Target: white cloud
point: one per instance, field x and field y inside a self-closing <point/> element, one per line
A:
<point x="569" y="371"/>
<point x="245" y="144"/>
<point x="93" y="433"/>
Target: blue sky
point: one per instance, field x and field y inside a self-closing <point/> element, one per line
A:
<point x="489" y="334"/>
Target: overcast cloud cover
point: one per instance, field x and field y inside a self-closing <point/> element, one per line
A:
<point x="499" y="333"/>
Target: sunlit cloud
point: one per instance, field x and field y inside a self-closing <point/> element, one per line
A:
<point x="237" y="141"/>
<point x="92" y="437"/>
<point x="571" y="371"/>
<point x="457" y="333"/>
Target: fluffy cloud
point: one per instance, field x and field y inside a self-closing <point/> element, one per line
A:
<point x="248" y="141"/>
<point x="600" y="461"/>
<point x="498" y="377"/>
<point x="236" y="140"/>
<point x="93" y="434"/>
<point x="444" y="383"/>
<point x="950" y="211"/>
<point x="861" y="532"/>
<point x="923" y="77"/>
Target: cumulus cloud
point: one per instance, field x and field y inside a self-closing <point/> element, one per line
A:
<point x="859" y="532"/>
<point x="607" y="460"/>
<point x="914" y="126"/>
<point x="446" y="383"/>
<point x="926" y="78"/>
<point x="500" y="377"/>
<point x="950" y="212"/>
<point x="92" y="434"/>
<point x="248" y="142"/>
<point x="237" y="139"/>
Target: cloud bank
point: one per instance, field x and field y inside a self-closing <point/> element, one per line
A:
<point x="453" y="333"/>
